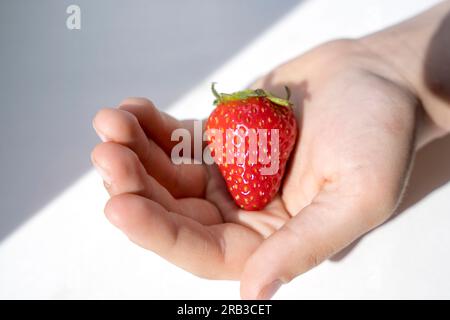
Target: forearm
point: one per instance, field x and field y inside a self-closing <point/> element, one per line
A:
<point x="419" y="49"/>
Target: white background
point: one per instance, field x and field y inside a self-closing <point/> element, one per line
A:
<point x="69" y="250"/>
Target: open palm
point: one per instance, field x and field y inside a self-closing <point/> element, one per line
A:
<point x="346" y="175"/>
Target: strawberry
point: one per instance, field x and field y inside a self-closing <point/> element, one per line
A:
<point x="230" y="128"/>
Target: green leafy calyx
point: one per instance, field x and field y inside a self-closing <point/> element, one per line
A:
<point x="248" y="93"/>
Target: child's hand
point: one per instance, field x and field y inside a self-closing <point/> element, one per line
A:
<point x="348" y="172"/>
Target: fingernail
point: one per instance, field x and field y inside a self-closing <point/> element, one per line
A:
<point x="268" y="291"/>
<point x="100" y="134"/>
<point x="103" y="173"/>
<point x="102" y="137"/>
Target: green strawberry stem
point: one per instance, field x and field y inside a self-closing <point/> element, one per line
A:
<point x="248" y="93"/>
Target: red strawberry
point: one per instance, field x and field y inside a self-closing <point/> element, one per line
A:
<point x="243" y="113"/>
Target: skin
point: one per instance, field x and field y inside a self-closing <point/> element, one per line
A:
<point x="362" y="114"/>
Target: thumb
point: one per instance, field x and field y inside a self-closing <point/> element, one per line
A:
<point x="317" y="232"/>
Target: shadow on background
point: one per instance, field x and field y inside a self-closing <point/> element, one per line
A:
<point x="437" y="61"/>
<point x="53" y="80"/>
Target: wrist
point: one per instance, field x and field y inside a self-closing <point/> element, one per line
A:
<point x="408" y="51"/>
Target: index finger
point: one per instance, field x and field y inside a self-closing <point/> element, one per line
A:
<point x="158" y="125"/>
